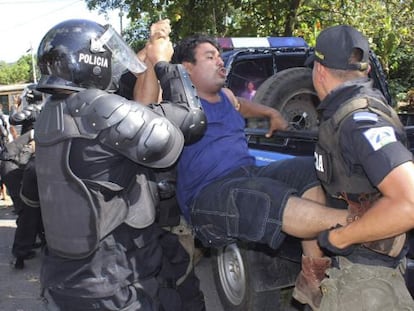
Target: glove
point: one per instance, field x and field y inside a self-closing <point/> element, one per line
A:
<point x="29" y="113"/>
<point x="328" y="248"/>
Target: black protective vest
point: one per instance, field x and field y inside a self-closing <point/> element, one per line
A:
<point x="334" y="173"/>
<point x="76" y="212"/>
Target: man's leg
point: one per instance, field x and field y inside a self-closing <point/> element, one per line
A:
<point x="305" y="213"/>
<point x="12" y="177"/>
<point x="178" y="269"/>
<point x="25" y="235"/>
<point x="246" y="194"/>
<point x="314" y="264"/>
<point x="262" y="205"/>
<point x="123" y="272"/>
<point x="306" y="219"/>
<point x="29" y="223"/>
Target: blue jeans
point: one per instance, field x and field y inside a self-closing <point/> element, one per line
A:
<point x="248" y="203"/>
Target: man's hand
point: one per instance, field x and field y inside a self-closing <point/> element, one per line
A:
<point x="250" y="109"/>
<point x="276" y="123"/>
<point x="159" y="47"/>
<point x="160" y="29"/>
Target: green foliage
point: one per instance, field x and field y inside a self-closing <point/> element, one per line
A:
<point x="137" y="33"/>
<point x="19" y="72"/>
<point x="387" y="24"/>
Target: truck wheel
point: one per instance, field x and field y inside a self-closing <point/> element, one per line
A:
<point x="233" y="279"/>
<point x="291" y="92"/>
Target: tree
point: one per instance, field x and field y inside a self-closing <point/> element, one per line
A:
<point x="19" y="72"/>
<point x="387" y="23"/>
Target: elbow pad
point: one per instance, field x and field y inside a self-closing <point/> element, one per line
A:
<point x="17" y="118"/>
<point x="181" y="103"/>
<point x="29" y="113"/>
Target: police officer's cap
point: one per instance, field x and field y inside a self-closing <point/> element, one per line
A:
<point x="334" y="47"/>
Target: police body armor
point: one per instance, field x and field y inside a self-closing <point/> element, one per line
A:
<point x="337" y="176"/>
<point x="93" y="114"/>
<point x="134" y="130"/>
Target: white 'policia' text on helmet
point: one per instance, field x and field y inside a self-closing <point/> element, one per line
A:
<point x="80" y="54"/>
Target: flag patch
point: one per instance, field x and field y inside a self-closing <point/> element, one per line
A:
<point x="378" y="137"/>
<point x="365" y="116"/>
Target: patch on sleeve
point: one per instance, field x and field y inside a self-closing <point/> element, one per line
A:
<point x="378" y="137"/>
<point x="365" y="116"/>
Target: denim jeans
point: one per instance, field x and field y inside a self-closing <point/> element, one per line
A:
<point x="248" y="203"/>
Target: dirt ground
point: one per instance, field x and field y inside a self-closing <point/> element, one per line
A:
<point x="19" y="289"/>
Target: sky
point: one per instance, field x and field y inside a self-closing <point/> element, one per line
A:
<point x="23" y="23"/>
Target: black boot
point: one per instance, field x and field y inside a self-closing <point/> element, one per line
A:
<point x="19" y="263"/>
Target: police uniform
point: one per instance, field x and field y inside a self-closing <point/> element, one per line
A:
<point x="358" y="146"/>
<point x="22" y="181"/>
<point x="94" y="155"/>
<point x="360" y="141"/>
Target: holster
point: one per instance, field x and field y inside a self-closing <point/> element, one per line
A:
<point x="390" y="246"/>
<point x="358" y="208"/>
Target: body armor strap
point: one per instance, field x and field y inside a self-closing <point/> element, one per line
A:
<point x="369" y="103"/>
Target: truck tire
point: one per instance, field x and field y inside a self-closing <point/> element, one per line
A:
<point x="291" y="92"/>
<point x="233" y="278"/>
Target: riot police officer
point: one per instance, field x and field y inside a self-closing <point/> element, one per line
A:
<point x="16" y="167"/>
<point x="94" y="153"/>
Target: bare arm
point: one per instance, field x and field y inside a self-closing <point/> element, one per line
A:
<point x="146" y="89"/>
<point x="13" y="132"/>
<point x="391" y="215"/>
<point x="158" y="48"/>
<point x="249" y="109"/>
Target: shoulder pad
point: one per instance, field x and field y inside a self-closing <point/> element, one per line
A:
<point x="365" y="116"/>
<point x="145" y="137"/>
<point x="95" y="110"/>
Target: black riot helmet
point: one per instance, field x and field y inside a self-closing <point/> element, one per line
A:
<point x="81" y="54"/>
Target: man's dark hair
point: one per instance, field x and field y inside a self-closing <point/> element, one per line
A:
<point x="184" y="50"/>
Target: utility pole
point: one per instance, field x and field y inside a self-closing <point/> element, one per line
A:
<point x="34" y="68"/>
<point x="33" y="63"/>
<point x="121" y="14"/>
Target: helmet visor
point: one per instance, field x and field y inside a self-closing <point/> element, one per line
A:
<point x="123" y="57"/>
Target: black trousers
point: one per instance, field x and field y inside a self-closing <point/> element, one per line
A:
<point x="145" y="265"/>
<point x="12" y="176"/>
<point x="29" y="221"/>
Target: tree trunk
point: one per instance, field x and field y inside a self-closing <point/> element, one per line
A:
<point x="291" y="17"/>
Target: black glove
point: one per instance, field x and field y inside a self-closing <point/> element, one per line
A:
<point x="29" y="113"/>
<point x="331" y="250"/>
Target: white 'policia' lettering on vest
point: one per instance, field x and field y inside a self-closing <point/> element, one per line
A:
<point x="93" y="60"/>
<point x="319" y="163"/>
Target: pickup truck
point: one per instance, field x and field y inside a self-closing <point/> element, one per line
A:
<point x="249" y="276"/>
